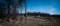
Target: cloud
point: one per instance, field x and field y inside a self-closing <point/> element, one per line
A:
<point x="51" y="10"/>
<point x="45" y="9"/>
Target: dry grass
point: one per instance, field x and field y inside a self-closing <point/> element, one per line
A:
<point x="31" y="21"/>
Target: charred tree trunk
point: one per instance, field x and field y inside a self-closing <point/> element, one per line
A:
<point x="9" y="9"/>
<point x="25" y="9"/>
<point x="8" y="6"/>
<point x="20" y="3"/>
<point x="15" y="14"/>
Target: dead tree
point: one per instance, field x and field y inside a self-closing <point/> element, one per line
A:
<point x="8" y="7"/>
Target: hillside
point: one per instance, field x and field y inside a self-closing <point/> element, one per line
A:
<point x="31" y="19"/>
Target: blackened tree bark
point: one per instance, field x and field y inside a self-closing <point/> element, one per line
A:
<point x="8" y="8"/>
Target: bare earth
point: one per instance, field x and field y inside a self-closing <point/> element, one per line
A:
<point x="31" y="21"/>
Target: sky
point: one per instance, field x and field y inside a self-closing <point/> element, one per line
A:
<point x="44" y="6"/>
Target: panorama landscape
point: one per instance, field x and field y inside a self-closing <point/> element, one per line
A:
<point x="29" y="12"/>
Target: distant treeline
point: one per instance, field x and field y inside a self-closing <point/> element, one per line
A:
<point x="36" y="14"/>
<point x="41" y="14"/>
<point x="33" y="14"/>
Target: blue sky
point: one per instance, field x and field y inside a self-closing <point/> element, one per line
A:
<point x="45" y="6"/>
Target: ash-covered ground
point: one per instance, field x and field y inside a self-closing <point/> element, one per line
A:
<point x="31" y="19"/>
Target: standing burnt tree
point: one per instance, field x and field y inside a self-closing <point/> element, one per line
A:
<point x="5" y="7"/>
<point x="23" y="6"/>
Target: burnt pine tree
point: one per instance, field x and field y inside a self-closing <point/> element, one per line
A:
<point x="2" y="9"/>
<point x="8" y="6"/>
